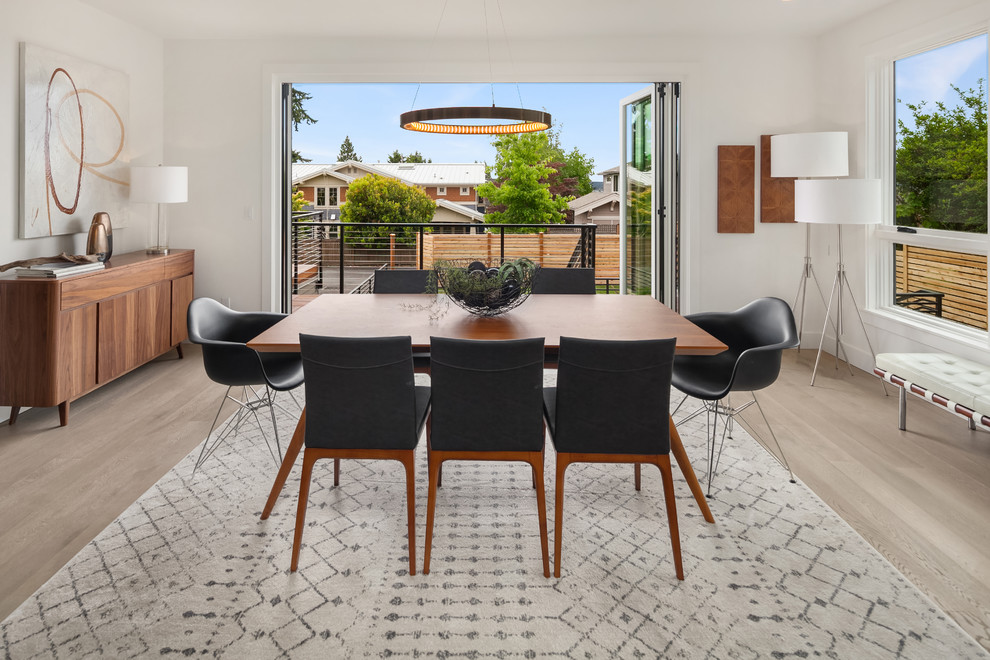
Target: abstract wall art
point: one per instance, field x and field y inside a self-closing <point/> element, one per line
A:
<point x="74" y="160"/>
<point x="736" y="188"/>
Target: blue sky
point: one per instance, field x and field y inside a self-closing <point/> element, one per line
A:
<point x="927" y="76"/>
<point x="586" y="115"/>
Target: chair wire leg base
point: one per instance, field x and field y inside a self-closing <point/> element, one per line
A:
<point x="247" y="406"/>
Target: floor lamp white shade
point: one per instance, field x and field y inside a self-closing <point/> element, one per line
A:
<point x="159" y="185"/>
<point x="809" y="154"/>
<point x="837" y="201"/>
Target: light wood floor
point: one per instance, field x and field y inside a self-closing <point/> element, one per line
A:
<point x="920" y="497"/>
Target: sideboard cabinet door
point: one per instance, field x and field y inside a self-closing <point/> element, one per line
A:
<point x="134" y="328"/>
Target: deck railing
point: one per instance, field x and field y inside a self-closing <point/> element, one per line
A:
<point x="337" y="257"/>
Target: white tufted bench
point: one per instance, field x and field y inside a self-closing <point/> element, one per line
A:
<point x="960" y="386"/>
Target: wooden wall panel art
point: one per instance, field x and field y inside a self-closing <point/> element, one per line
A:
<point x="776" y="193"/>
<point x="736" y="188"/>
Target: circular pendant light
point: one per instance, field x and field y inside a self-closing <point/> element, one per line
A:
<point x="475" y="120"/>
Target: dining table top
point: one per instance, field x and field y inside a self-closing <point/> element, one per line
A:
<point x="421" y="316"/>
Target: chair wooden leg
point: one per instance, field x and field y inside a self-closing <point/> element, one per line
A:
<point x="663" y="462"/>
<point x="307" y="473"/>
<point x="336" y="472"/>
<point x="431" y="505"/>
<point x="677" y="449"/>
<point x="558" y="515"/>
<point x="541" y="504"/>
<point x="409" y="461"/>
<point x="638" y="476"/>
<point x="291" y="453"/>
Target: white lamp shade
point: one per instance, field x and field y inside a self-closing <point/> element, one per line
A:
<point x="159" y="185"/>
<point x="809" y="154"/>
<point x="837" y="201"/>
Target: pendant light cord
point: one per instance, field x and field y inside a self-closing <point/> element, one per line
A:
<point x="508" y="49"/>
<point x="488" y="42"/>
<point x="433" y="42"/>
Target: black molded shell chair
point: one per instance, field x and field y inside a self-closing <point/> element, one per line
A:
<point x="564" y="280"/>
<point x="223" y="334"/>
<point x="612" y="405"/>
<point x="756" y="336"/>
<point x="403" y="281"/>
<point x="361" y="402"/>
<point x="487" y="406"/>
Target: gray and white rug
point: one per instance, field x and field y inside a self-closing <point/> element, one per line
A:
<point x="190" y="570"/>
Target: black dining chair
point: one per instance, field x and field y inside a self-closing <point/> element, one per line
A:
<point x="361" y="403"/>
<point x="223" y="334"/>
<point x="611" y="405"/>
<point x="408" y="281"/>
<point x="487" y="406"/>
<point x="564" y="280"/>
<point x="403" y="281"/>
<point x="756" y="336"/>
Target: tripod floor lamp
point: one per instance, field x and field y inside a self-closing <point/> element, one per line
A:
<point x="809" y="155"/>
<point x="838" y="202"/>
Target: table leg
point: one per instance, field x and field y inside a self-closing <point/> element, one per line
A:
<point x="291" y="453"/>
<point x="677" y="449"/>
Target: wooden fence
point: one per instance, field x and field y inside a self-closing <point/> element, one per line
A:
<point x="962" y="278"/>
<point x="545" y="249"/>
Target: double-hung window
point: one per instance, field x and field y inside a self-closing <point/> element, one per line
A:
<point x="932" y="154"/>
<point x="326" y="197"/>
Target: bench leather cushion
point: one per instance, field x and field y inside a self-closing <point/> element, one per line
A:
<point x="963" y="381"/>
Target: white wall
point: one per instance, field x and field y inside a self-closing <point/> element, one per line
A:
<point x="218" y="109"/>
<point x="843" y="67"/>
<point x="81" y="31"/>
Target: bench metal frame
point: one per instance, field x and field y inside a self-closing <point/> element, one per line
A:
<point x="975" y="419"/>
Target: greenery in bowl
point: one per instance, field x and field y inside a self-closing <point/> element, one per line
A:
<point x="486" y="290"/>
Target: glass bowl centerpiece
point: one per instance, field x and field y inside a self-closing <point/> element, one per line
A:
<point x="486" y="290"/>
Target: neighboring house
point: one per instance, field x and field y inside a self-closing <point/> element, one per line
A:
<point x="599" y="208"/>
<point x="454" y="186"/>
<point x="611" y="175"/>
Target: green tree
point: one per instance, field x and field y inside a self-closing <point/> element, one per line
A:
<point x="415" y="157"/>
<point x="347" y="151"/>
<point x="299" y="116"/>
<point x="941" y="165"/>
<point x="520" y="193"/>
<point x="386" y="201"/>
<point x="570" y="165"/>
<point x="298" y="201"/>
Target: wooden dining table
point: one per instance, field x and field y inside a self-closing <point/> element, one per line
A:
<point x="421" y="316"/>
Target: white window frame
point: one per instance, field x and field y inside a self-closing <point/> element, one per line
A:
<point x="326" y="197"/>
<point x="465" y="190"/>
<point x="880" y="127"/>
<point x="441" y="190"/>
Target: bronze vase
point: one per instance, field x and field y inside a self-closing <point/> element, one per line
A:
<point x="100" y="239"/>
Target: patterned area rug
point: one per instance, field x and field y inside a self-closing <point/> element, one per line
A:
<point x="190" y="570"/>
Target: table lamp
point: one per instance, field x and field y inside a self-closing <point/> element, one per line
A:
<point x="838" y="202"/>
<point x="808" y="155"/>
<point x="159" y="185"/>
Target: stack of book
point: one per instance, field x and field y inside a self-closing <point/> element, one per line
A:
<point x="58" y="269"/>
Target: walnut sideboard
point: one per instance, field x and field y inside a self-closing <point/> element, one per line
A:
<point x="62" y="338"/>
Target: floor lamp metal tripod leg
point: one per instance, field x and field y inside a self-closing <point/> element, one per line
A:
<point x="808" y="272"/>
<point x="841" y="282"/>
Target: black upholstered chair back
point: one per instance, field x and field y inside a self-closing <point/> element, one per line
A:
<point x="402" y="281"/>
<point x="487" y="395"/>
<point x="564" y="280"/>
<point x="222" y="333"/>
<point x="360" y="392"/>
<point x="613" y="397"/>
